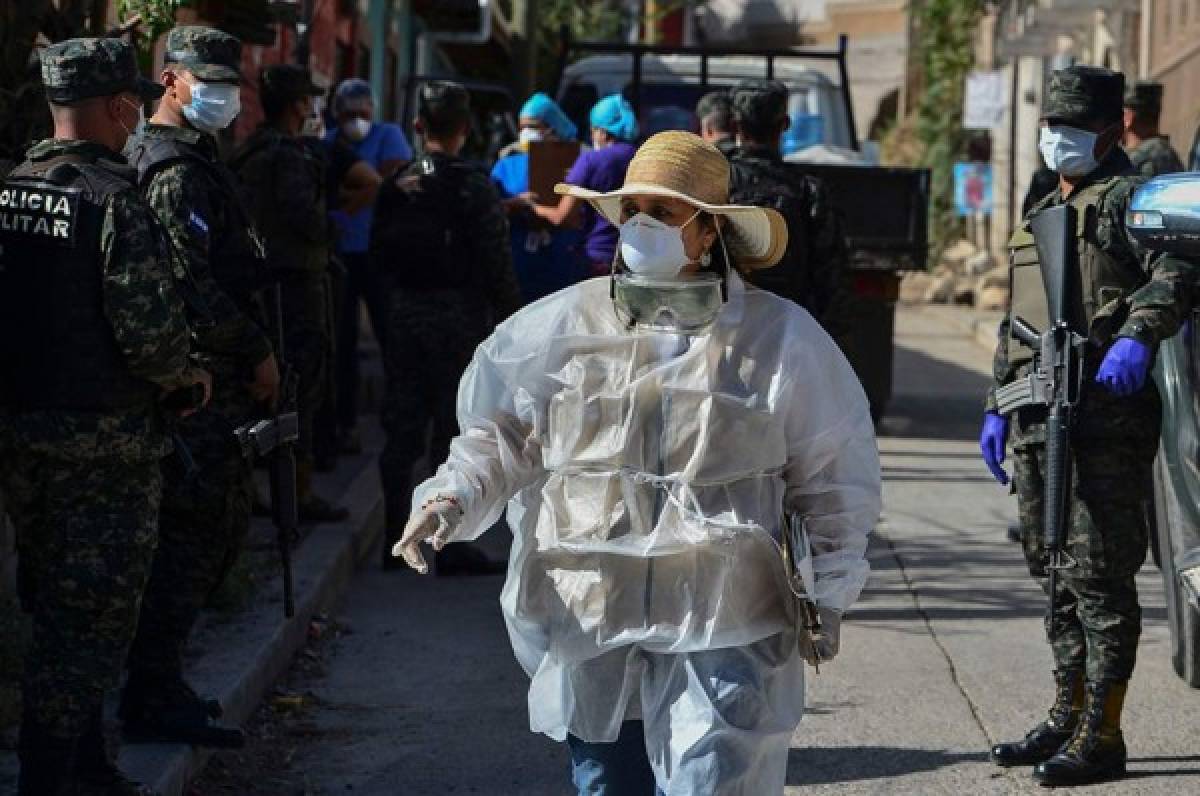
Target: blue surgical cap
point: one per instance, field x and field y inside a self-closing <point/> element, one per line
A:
<point x="352" y="91"/>
<point x="540" y="106"/>
<point x="615" y="114"/>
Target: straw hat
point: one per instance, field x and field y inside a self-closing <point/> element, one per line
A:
<point x="682" y="166"/>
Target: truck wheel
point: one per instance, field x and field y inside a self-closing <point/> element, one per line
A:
<point x="1182" y="617"/>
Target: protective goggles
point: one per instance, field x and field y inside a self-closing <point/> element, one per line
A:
<point x="684" y="304"/>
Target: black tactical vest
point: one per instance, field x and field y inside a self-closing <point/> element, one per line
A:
<point x="236" y="255"/>
<point x="1104" y="285"/>
<point x="57" y="348"/>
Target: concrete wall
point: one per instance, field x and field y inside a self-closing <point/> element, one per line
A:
<point x="1171" y="39"/>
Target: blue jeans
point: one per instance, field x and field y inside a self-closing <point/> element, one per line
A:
<point x="620" y="768"/>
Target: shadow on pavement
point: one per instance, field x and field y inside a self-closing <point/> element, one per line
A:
<point x="944" y="401"/>
<point x="828" y="766"/>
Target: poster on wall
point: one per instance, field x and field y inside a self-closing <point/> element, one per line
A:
<point x="984" y="100"/>
<point x="973" y="189"/>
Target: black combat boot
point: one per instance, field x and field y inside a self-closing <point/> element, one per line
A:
<point x="47" y="762"/>
<point x="1048" y="737"/>
<point x="1096" y="752"/>
<point x="95" y="771"/>
<point x="154" y="712"/>
<point x="311" y="509"/>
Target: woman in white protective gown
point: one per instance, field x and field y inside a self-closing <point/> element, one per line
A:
<point x="649" y="432"/>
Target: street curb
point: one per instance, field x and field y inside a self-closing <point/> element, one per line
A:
<point x="258" y="648"/>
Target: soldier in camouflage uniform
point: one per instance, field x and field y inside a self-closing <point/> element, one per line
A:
<point x="812" y="272"/>
<point x="93" y="333"/>
<point x="286" y="183"/>
<point x="440" y="244"/>
<point x="1131" y="303"/>
<point x="205" y="515"/>
<point x="1149" y="150"/>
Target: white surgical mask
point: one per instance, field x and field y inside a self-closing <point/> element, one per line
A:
<point x="213" y="106"/>
<point x="651" y="248"/>
<point x="530" y="135"/>
<point x="356" y="129"/>
<point x="1068" y="150"/>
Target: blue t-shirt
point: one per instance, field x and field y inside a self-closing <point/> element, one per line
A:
<point x="384" y="142"/>
<point x="545" y="262"/>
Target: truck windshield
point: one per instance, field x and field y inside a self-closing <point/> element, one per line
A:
<point x="671" y="106"/>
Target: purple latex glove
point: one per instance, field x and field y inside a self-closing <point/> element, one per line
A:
<point x="992" y="440"/>
<point x="1123" y="371"/>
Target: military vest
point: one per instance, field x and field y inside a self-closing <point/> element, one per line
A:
<point x="236" y="255"/>
<point x="1103" y="284"/>
<point x="57" y="347"/>
<point x="256" y="164"/>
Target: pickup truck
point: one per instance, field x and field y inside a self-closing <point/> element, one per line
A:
<point x="884" y="209"/>
<point x="1165" y="216"/>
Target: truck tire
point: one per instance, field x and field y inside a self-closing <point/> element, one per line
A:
<point x="1182" y="617"/>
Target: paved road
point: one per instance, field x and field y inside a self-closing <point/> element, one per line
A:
<point x="942" y="656"/>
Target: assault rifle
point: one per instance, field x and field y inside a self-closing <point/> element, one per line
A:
<point x="1056" y="379"/>
<point x="274" y="438"/>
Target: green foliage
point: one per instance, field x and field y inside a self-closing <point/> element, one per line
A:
<point x="945" y="36"/>
<point x="158" y="17"/>
<point x="596" y="20"/>
<point x="592" y="20"/>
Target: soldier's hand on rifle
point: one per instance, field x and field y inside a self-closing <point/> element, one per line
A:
<point x="437" y="520"/>
<point x="1123" y="371"/>
<point x="265" y="387"/>
<point x="185" y="401"/>
<point x="204" y="379"/>
<point x="992" y="441"/>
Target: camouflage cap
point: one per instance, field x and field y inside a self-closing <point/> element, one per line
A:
<point x="289" y="82"/>
<point x="1083" y="95"/>
<point x="1144" y="95"/>
<point x="207" y="53"/>
<point x="78" y="69"/>
<point x="759" y="103"/>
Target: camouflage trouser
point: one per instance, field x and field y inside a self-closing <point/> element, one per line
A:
<point x="202" y="526"/>
<point x="431" y="337"/>
<point x="1096" y="625"/>
<point x="1098" y="621"/>
<point x="86" y="531"/>
<point x="306" y="325"/>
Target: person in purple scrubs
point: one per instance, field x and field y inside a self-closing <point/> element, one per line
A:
<point x="602" y="168"/>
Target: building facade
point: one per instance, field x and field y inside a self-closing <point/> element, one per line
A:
<point x="1169" y="40"/>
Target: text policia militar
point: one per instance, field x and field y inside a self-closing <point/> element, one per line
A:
<point x="41" y="212"/>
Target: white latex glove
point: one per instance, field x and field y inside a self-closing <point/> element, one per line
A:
<point x="437" y="519"/>
<point x="825" y="644"/>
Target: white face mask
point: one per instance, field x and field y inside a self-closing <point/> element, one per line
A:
<point x="356" y="129"/>
<point x="213" y="106"/>
<point x="1068" y="150"/>
<point x="651" y="248"/>
<point x="530" y="135"/>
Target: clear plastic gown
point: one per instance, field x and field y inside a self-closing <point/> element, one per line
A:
<point x="646" y="477"/>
